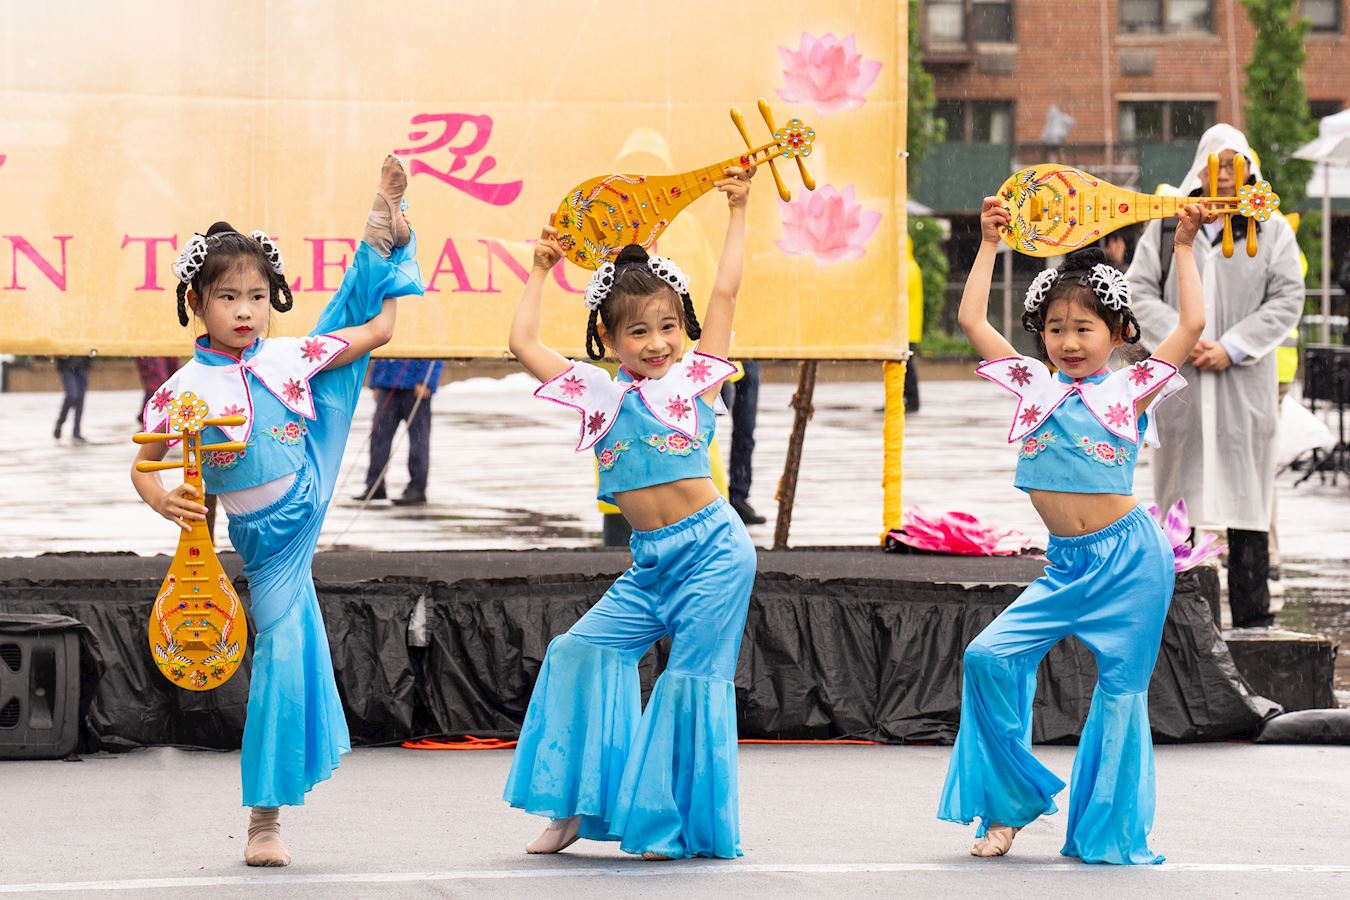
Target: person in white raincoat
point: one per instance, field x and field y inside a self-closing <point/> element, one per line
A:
<point x="1219" y="435"/>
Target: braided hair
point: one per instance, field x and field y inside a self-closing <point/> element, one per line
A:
<point x="633" y="280"/>
<point x="1074" y="285"/>
<point x="224" y="246"/>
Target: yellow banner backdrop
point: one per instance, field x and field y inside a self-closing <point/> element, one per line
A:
<point x="124" y="128"/>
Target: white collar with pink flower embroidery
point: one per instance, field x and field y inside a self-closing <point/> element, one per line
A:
<point x="283" y="365"/>
<point x="591" y="391"/>
<point x="1110" y="400"/>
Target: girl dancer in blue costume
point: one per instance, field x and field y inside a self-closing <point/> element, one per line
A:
<point x="298" y="395"/>
<point x="660" y="781"/>
<point x="1110" y="577"/>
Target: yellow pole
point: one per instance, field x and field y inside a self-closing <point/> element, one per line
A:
<point x="893" y="437"/>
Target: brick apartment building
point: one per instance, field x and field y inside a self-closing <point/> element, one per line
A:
<point x="1141" y="79"/>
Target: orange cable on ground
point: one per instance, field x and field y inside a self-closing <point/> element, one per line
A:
<point x="469" y="742"/>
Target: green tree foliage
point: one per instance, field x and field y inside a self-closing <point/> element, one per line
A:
<point x="1275" y="104"/>
<point x="922" y="131"/>
<point x="926" y="236"/>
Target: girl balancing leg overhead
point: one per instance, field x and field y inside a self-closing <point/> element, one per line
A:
<point x="297" y="395"/>
<point x="1110" y="577"/>
<point x="660" y="781"/>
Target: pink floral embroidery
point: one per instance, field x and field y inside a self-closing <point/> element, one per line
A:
<point x="1141" y="374"/>
<point x="1117" y="415"/>
<point x="699" y="371"/>
<point x="313" y="350"/>
<point x="1034" y="445"/>
<point x="828" y="72"/>
<point x="828" y="224"/>
<point x="290" y="433"/>
<point x="1031" y="415"/>
<point x="293" y="431"/>
<point x="678" y="408"/>
<point x="610" y="455"/>
<point x="221" y="459"/>
<point x="595" y="422"/>
<point x="1020" y="374"/>
<point x="572" y="387"/>
<point x="1103" y="452"/>
<point x="678" y="444"/>
<point x="294" y="390"/>
<point x="162" y="400"/>
<point x="233" y="409"/>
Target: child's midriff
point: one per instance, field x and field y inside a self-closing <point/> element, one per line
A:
<point x="650" y="508"/>
<point x="1071" y="515"/>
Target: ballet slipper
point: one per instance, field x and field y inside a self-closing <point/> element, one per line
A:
<point x="386" y="227"/>
<point x="656" y="857"/>
<point x="264" y="839"/>
<point x="559" y="835"/>
<point x="997" y="841"/>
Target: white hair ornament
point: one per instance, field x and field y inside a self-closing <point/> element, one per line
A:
<point x="190" y="260"/>
<point x="1040" y="286"/>
<point x="602" y="282"/>
<point x="1110" y="286"/>
<point x="272" y="250"/>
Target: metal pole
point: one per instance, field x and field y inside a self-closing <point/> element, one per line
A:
<point x="787" y="485"/>
<point x="1007" y="292"/>
<point x="1326" y="252"/>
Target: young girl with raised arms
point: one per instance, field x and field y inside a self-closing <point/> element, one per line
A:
<point x="660" y="781"/>
<point x="1110" y="574"/>
<point x="297" y="396"/>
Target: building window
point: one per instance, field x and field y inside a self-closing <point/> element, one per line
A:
<point x="1325" y="15"/>
<point x="1166" y="16"/>
<point x="960" y="21"/>
<point x="1165" y="121"/>
<point x="1320" y="109"/>
<point x="977" y="121"/>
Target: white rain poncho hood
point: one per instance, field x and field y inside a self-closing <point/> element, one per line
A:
<point x="1217" y="139"/>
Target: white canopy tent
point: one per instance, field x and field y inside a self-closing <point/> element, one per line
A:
<point x="1330" y="150"/>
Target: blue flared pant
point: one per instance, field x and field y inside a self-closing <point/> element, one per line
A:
<point x="663" y="779"/>
<point x="1111" y="590"/>
<point x="295" y="731"/>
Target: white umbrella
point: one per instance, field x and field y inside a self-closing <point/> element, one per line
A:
<point x="1330" y="148"/>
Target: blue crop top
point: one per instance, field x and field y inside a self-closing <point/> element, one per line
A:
<point x="648" y="431"/>
<point x="270" y="386"/>
<point x="1080" y="435"/>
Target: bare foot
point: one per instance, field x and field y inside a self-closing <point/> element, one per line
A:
<point x="264" y="839"/>
<point x="997" y="841"/>
<point x="559" y="835"/>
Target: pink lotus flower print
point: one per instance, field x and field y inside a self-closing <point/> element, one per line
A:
<point x="313" y="350"/>
<point x="572" y="387"/>
<point x="828" y="224"/>
<point x="826" y="72"/>
<point x="1177" y="527"/>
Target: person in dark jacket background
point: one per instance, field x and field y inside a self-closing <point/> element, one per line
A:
<point x="403" y="389"/>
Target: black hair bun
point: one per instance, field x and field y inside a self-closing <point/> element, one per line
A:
<point x="1083" y="260"/>
<point x="633" y="253"/>
<point x="221" y="228"/>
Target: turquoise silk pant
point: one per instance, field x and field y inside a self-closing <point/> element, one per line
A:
<point x="295" y="731"/>
<point x="661" y="779"/>
<point x="1110" y="589"/>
